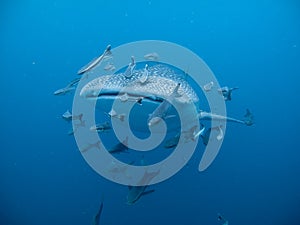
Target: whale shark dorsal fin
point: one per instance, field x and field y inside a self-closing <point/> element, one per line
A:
<point x="175" y="93"/>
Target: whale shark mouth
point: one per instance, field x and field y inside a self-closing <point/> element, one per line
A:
<point x="159" y="85"/>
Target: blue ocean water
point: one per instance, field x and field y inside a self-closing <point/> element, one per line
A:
<point x="250" y="44"/>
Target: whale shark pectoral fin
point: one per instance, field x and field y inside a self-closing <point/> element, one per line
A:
<point x="175" y="93"/>
<point x="199" y="133"/>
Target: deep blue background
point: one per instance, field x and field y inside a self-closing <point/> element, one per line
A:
<point x="251" y="44"/>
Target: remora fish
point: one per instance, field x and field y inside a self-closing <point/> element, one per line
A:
<point x="136" y="192"/>
<point x="90" y="146"/>
<point x="172" y="142"/>
<point x="120" y="147"/>
<point x="249" y="118"/>
<point x="145" y="75"/>
<point x="68" y="88"/>
<point x="101" y="127"/>
<point x="95" y="62"/>
<point x="73" y="82"/>
<point x="208" y="116"/>
<point x="68" y="116"/>
<point x="63" y="91"/>
<point x="222" y="219"/>
<point x="96" y="220"/>
<point x="130" y="68"/>
<point x="114" y="114"/>
<point x="109" y="67"/>
<point x="227" y="92"/>
<point x="190" y="134"/>
<point x="125" y="97"/>
<point x="206" y="135"/>
<point x="151" y="56"/>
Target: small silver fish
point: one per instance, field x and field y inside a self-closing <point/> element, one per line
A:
<point x="120" y="147"/>
<point x="145" y="75"/>
<point x="248" y="121"/>
<point x="76" y="126"/>
<point x="73" y="82"/>
<point x="136" y="192"/>
<point x="90" y="146"/>
<point x="221" y="134"/>
<point x="64" y="90"/>
<point x="151" y="56"/>
<point x="69" y="117"/>
<point x="222" y="219"/>
<point x="207" y="87"/>
<point x="109" y="67"/>
<point x="227" y="92"/>
<point x="249" y="118"/>
<point x="95" y="62"/>
<point x="70" y="87"/>
<point x="113" y="114"/>
<point x="129" y="71"/>
<point x="192" y="133"/>
<point x="101" y="127"/>
<point x="125" y="98"/>
<point x="96" y="220"/>
<point x="172" y="142"/>
<point x="202" y="115"/>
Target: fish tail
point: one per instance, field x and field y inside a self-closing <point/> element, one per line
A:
<point x="249" y="118"/>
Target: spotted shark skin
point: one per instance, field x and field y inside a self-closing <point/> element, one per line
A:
<point x="160" y="84"/>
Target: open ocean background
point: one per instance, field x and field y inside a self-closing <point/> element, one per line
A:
<point x="255" y="45"/>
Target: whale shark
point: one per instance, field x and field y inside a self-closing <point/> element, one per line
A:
<point x="149" y="86"/>
<point x="160" y="84"/>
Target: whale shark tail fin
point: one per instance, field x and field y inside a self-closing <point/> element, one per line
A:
<point x="249" y="118"/>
